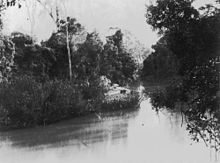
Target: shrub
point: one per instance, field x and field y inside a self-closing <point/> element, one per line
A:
<point x="128" y="102"/>
<point x="169" y="96"/>
<point x="60" y="99"/>
<point x="25" y="102"/>
<point x="19" y="101"/>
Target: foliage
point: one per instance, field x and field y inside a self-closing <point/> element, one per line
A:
<point x="161" y="63"/>
<point x="21" y="40"/>
<point x="31" y="58"/>
<point x="6" y="58"/>
<point x="171" y="15"/>
<point x="37" y="92"/>
<point x="72" y="25"/>
<point x="86" y="61"/>
<point x="19" y="101"/>
<point x="117" y="64"/>
<point x="169" y="96"/>
<point x="58" y="42"/>
<point x="26" y="102"/>
<point x="86" y="68"/>
<point x="9" y="3"/>
<point x="92" y="58"/>
<point x="194" y="39"/>
<point x="61" y="99"/>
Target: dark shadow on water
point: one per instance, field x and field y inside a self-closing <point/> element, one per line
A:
<point x="81" y="131"/>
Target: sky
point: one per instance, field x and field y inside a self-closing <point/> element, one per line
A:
<point x="97" y="15"/>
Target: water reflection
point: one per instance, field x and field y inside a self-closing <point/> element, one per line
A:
<point x="80" y="131"/>
<point x="141" y="136"/>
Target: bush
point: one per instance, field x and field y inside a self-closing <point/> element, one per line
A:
<point x="169" y="96"/>
<point x="20" y="100"/>
<point x="25" y="102"/>
<point x="129" y="102"/>
<point x="60" y="99"/>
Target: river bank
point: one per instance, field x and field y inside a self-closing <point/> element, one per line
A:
<point x="62" y="103"/>
<point x="126" y="136"/>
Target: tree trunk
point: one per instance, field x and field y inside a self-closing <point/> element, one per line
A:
<point x="68" y="50"/>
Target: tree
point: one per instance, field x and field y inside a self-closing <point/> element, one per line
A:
<point x="7" y="52"/>
<point x="184" y="29"/>
<point x="191" y="37"/>
<point x="7" y="48"/>
<point x="86" y="62"/>
<point x="171" y="15"/>
<point x="86" y="66"/>
<point x="194" y="39"/>
<point x="31" y="58"/>
<point x="67" y="27"/>
<point x="71" y="28"/>
<point x="117" y="63"/>
<point x="161" y="63"/>
<point x="62" y="42"/>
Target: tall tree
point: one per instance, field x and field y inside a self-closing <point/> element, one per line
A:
<point x="70" y="27"/>
<point x="64" y="42"/>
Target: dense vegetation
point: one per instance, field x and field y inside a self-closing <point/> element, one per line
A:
<point x="161" y="63"/>
<point x="116" y="63"/>
<point x="61" y="77"/>
<point x="191" y="38"/>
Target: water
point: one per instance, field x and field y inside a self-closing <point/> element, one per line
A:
<point x="141" y="136"/>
